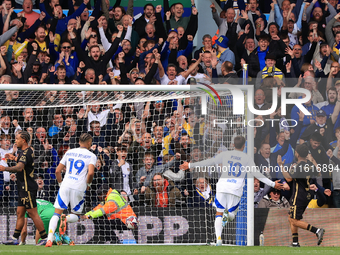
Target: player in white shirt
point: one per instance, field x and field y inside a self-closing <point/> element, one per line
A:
<point x="80" y="164"/>
<point x="230" y="185"/>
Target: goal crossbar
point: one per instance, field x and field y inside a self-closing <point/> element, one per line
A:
<point x="72" y="87"/>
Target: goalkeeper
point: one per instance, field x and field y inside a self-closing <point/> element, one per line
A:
<point x="117" y="211"/>
<point x="45" y="210"/>
<point x="114" y="206"/>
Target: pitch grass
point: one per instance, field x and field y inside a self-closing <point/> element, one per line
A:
<point x="164" y="249"/>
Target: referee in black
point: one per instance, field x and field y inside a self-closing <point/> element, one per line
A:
<point x="300" y="174"/>
<point x="27" y="188"/>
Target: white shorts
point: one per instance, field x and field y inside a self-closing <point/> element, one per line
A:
<point x="72" y="197"/>
<point x="227" y="201"/>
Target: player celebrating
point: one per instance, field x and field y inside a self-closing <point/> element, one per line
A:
<point x="80" y="164"/>
<point x="115" y="206"/>
<point x="300" y="175"/>
<point x="230" y="185"/>
<point x="27" y="188"/>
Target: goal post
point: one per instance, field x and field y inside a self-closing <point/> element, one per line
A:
<point x="245" y="219"/>
<point x="157" y="225"/>
<point x="250" y="179"/>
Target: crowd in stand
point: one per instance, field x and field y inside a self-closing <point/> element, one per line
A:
<point x="140" y="145"/>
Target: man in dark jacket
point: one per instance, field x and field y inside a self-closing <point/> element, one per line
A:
<point x="140" y="24"/>
<point x="229" y="75"/>
<point x="323" y="126"/>
<point x="202" y="194"/>
<point x="318" y="153"/>
<point x="96" y="61"/>
<point x="138" y="151"/>
<point x="207" y="46"/>
<point x="256" y="61"/>
<point x="121" y="177"/>
<point x="99" y="137"/>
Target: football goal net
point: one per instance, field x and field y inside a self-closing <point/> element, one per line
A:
<point x="141" y="136"/>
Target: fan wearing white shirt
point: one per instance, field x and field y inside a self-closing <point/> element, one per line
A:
<point x="93" y="112"/>
<point x="171" y="78"/>
<point x="200" y="77"/>
<point x="229" y="187"/>
<point x="5" y="149"/>
<point x="5" y="126"/>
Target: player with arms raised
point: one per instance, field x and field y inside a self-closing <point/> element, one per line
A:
<point x="229" y="187"/>
<point x="80" y="164"/>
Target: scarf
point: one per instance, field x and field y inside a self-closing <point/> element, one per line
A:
<point x="206" y="195"/>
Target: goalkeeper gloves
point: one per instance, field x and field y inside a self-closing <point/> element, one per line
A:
<point x="89" y="215"/>
<point x="94" y="214"/>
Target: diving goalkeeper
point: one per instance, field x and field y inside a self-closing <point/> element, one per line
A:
<point x="114" y="206"/>
<point x="45" y="211"/>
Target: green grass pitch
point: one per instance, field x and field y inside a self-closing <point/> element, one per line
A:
<point x="164" y="249"/>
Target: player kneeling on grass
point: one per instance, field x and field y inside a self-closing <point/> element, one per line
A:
<point x="114" y="206"/>
<point x="46" y="211"/>
<point x="229" y="187"/>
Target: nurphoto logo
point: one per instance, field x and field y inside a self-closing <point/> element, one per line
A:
<point x="238" y="99"/>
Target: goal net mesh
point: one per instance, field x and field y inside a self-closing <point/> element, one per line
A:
<point x="166" y="128"/>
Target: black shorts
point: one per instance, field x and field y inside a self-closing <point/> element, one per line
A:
<point x="27" y="199"/>
<point x="296" y="211"/>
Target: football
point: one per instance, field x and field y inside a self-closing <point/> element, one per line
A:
<point x="132" y="222"/>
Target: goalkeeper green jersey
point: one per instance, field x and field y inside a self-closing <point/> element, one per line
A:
<point x="41" y="206"/>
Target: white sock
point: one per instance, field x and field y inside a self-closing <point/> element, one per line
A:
<point x="218" y="226"/>
<point x="52" y="226"/>
<point x="71" y="218"/>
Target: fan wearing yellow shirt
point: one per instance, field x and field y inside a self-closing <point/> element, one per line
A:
<point x="40" y="36"/>
<point x="16" y="46"/>
<point x="19" y="41"/>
